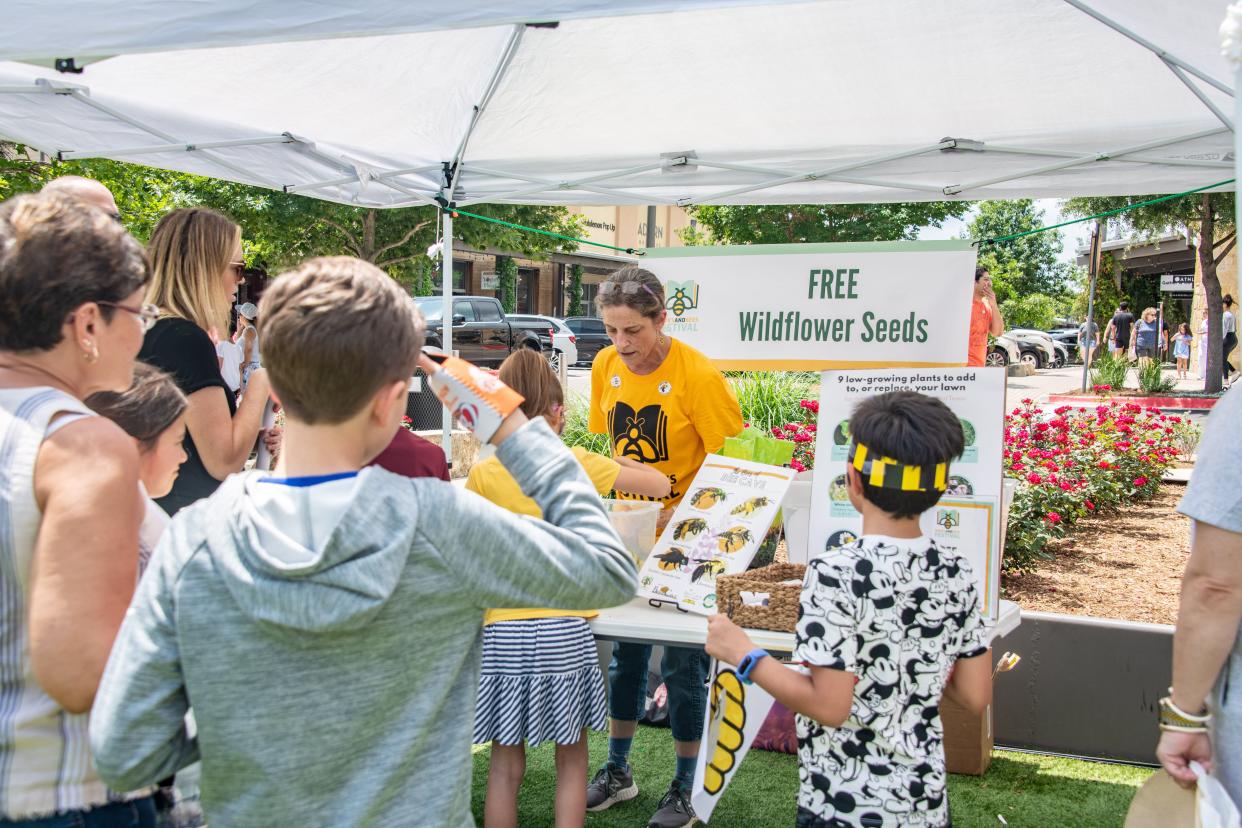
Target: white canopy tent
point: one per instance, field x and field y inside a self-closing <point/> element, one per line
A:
<point x="834" y="101"/>
<point x="384" y="103"/>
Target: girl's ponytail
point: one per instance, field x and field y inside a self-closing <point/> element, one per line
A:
<point x="529" y="374"/>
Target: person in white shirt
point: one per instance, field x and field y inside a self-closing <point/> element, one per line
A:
<point x="247" y="340"/>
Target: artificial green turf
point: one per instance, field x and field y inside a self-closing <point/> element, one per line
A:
<point x="1028" y="790"/>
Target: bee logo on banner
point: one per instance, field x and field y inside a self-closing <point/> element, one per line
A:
<point x="733" y="718"/>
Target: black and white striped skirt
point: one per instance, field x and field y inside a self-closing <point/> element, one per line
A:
<point x="540" y="682"/>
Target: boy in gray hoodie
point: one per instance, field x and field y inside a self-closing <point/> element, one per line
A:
<point x="325" y="620"/>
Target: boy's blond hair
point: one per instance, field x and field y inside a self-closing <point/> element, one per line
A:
<point x="334" y="331"/>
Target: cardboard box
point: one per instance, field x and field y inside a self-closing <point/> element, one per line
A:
<point x="967" y="737"/>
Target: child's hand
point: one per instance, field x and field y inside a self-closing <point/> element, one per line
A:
<point x="727" y="641"/>
<point x="481" y="402"/>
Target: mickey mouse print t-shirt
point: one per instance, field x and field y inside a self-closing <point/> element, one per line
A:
<point x="671" y="418"/>
<point x="897" y="613"/>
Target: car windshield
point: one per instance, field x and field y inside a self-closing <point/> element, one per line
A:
<point x="430" y="307"/>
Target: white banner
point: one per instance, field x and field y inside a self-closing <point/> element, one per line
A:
<point x="1177" y="283"/>
<point x="715" y="530"/>
<point x="734" y="714"/>
<point x="818" y="306"/>
<point x="967" y="519"/>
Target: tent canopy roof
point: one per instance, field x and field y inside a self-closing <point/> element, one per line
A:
<point x="687" y="102"/>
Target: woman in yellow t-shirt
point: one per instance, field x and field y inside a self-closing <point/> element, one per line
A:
<point x="664" y="404"/>
<point x="540" y="679"/>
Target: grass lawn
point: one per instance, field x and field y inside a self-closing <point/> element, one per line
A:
<point x="1026" y="789"/>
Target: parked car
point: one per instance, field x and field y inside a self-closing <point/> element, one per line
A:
<point x="1067" y="337"/>
<point x="591" y="336"/>
<point x="482" y="333"/>
<point x="1003" y="351"/>
<point x="1036" y="346"/>
<point x="564" y="341"/>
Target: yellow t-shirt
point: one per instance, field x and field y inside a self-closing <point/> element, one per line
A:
<point x="490" y="479"/>
<point x="671" y="418"/>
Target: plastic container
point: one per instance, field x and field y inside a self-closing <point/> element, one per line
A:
<point x="635" y="522"/>
<point x="796" y="510"/>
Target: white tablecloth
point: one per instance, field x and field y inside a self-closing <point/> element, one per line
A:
<point x="639" y="621"/>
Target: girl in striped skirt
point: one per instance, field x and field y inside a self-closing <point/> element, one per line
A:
<point x="541" y="679"/>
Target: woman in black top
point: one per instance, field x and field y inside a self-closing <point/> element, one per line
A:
<point x="196" y="258"/>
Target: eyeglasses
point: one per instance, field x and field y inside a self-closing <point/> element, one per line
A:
<point x="626" y="288"/>
<point x="239" y="270"/>
<point x="147" y="314"/>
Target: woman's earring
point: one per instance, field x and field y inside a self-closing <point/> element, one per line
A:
<point x="91" y="355"/>
<point x="661" y="340"/>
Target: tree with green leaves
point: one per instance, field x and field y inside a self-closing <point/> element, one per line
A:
<point x="281" y="230"/>
<point x="575" y="290"/>
<point x="1211" y="218"/>
<point x="803" y="223"/>
<point x="1023" y="266"/>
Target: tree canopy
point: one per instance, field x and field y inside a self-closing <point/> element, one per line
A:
<point x="803" y="223"/>
<point x="1024" y="266"/>
<point x="281" y="230"/>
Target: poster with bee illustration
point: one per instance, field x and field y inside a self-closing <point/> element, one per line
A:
<point x="715" y="530"/>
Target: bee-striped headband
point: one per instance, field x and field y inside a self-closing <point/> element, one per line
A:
<point x="888" y="473"/>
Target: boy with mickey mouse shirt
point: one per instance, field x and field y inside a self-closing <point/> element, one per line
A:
<point x="889" y="622"/>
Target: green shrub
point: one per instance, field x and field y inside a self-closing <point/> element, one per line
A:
<point x="770" y="399"/>
<point x="576" y="432"/>
<point x="1108" y="370"/>
<point x="1151" y="378"/>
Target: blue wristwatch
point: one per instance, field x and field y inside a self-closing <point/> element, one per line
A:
<point x="748" y="662"/>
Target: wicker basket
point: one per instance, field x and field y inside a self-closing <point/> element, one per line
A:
<point x="784" y="600"/>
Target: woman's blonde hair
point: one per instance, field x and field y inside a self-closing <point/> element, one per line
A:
<point x="1149" y="310"/>
<point x="189" y="250"/>
<point x="528" y="373"/>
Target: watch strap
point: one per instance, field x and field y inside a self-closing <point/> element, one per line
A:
<point x="748" y="662"/>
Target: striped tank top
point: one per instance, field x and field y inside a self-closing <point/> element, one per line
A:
<point x="45" y="759"/>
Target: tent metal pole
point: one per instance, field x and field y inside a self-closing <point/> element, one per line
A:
<point x="828" y="172"/>
<point x="1148" y="45"/>
<point x="1198" y="93"/>
<point x="1085" y="159"/>
<point x="1094" y="266"/>
<point x="446" y="325"/>
<point x="506" y="57"/>
<point x="83" y="96"/>
<point x="345" y="166"/>
<point x="544" y="185"/>
<point x="349" y="179"/>
<point x="189" y="146"/>
<point x="1135" y="158"/>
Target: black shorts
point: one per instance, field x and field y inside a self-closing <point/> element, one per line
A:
<point x="1122" y="344"/>
<point x="1149" y="353"/>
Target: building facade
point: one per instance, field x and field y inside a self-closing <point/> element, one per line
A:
<point x="543" y="285"/>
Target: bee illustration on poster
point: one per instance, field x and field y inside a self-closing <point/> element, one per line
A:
<point x="715" y="530"/>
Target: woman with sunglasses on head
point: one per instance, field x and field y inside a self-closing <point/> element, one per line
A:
<point x="664" y="404"/>
<point x="71" y="323"/>
<point x="196" y="263"/>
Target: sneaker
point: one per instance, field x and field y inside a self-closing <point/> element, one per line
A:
<point x="675" y="810"/>
<point x="610" y="786"/>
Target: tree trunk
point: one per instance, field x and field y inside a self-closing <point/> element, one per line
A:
<point x="1211" y="294"/>
<point x="367" y="253"/>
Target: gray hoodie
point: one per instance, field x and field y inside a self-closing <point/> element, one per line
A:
<point x="332" y="664"/>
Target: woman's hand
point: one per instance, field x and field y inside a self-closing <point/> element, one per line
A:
<point x="727" y="641"/>
<point x="1176" y="750"/>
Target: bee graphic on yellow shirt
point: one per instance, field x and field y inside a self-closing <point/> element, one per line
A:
<point x="750" y="506"/>
<point x="731" y="540"/>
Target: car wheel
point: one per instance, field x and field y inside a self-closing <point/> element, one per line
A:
<point x="1031" y="358"/>
<point x="554" y="359"/>
<point x="1059" y="362"/>
<point x="997" y="358"/>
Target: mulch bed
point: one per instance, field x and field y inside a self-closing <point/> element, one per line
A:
<point x="1126" y="565"/>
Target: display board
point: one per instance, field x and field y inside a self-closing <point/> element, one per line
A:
<point x="820" y="306"/>
<point x="715" y="530"/>
<point x="968" y="518"/>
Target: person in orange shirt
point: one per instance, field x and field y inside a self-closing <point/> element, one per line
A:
<point x="985" y="318"/>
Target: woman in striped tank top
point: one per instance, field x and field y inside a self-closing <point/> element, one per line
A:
<point x="71" y="324"/>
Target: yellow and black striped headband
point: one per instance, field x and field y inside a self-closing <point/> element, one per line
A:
<point x="888" y="473"/>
